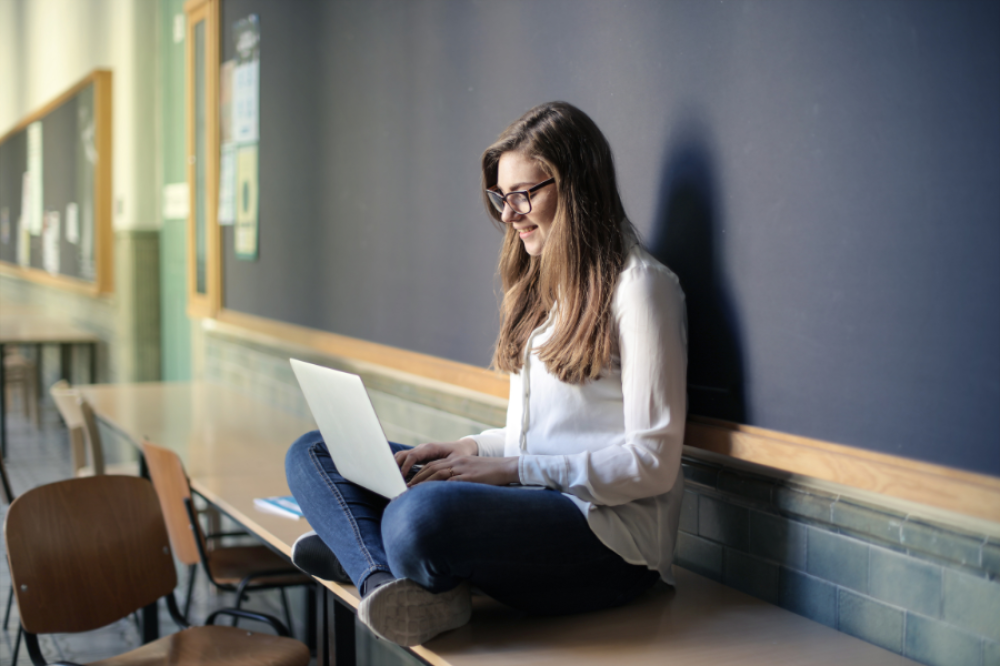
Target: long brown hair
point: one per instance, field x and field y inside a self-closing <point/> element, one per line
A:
<point x="583" y="254"/>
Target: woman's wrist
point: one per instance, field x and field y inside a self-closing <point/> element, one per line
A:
<point x="467" y="447"/>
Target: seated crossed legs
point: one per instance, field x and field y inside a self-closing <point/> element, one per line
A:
<point x="414" y="558"/>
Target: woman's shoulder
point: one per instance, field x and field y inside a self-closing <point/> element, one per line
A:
<point x="642" y="272"/>
<point x="647" y="288"/>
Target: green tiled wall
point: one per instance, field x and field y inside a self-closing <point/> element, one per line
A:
<point x="915" y="586"/>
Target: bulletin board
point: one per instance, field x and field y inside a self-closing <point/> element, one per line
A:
<point x="55" y="191"/>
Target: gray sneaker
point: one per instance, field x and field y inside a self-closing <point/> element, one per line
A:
<point x="406" y="614"/>
<point x="313" y="556"/>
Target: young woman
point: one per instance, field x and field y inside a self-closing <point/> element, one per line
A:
<point x="574" y="504"/>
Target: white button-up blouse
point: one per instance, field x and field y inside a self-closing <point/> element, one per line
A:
<point x="613" y="445"/>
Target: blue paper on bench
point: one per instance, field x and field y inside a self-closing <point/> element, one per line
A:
<point x="284" y="505"/>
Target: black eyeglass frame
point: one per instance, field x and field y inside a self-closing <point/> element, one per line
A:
<point x="501" y="199"/>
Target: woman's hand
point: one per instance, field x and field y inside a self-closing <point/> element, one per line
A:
<point x="476" y="469"/>
<point x="424" y="453"/>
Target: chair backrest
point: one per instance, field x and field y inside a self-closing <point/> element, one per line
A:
<point x="167" y="473"/>
<point x="83" y="432"/>
<point x="86" y="552"/>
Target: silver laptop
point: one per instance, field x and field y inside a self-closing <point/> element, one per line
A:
<point x="350" y="428"/>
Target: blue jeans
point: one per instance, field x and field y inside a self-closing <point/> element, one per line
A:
<point x="530" y="549"/>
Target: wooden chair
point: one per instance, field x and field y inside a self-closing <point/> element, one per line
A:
<point x="238" y="569"/>
<point x="87" y="552"/>
<point x="7" y="495"/>
<point x="84" y="436"/>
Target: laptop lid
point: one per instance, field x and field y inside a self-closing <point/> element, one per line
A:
<point x="350" y="428"/>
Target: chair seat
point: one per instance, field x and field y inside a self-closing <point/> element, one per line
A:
<point x="231" y="564"/>
<point x="214" y="646"/>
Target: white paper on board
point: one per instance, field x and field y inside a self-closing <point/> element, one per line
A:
<point x="23" y="243"/>
<point x="35" y="176"/>
<point x="246" y="102"/>
<point x="176" y="201"/>
<point x="26" y="209"/>
<point x="72" y="223"/>
<point x="50" y="241"/>
<point x="227" y="185"/>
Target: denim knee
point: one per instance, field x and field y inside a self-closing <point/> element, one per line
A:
<point x="417" y="528"/>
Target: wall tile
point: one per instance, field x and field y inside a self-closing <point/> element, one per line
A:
<point x="724" y="522"/>
<point x="884" y="526"/>
<point x="748" y="487"/>
<point x="991" y="558"/>
<point x="798" y="503"/>
<point x="905" y="581"/>
<point x="870" y="620"/>
<point x="698" y="472"/>
<point x="689" y="512"/>
<point x="937" y="644"/>
<point x="991" y="653"/>
<point x="942" y="543"/>
<point x="699" y="555"/>
<point x="751" y="575"/>
<point x="803" y="594"/>
<point x="777" y="538"/>
<point x="838" y="559"/>
<point x="972" y="603"/>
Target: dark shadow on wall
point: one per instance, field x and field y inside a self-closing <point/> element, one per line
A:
<point x="685" y="237"/>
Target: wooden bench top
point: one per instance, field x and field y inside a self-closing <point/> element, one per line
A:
<point x="698" y="622"/>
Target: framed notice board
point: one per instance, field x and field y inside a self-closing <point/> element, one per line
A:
<point x="55" y="191"/>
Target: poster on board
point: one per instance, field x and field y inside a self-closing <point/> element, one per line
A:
<point x="238" y="183"/>
<point x="35" y="178"/>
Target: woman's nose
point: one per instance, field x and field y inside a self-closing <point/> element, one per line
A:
<point x="508" y="213"/>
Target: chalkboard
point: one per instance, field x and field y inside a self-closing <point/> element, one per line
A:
<point x="822" y="176"/>
<point x="75" y="189"/>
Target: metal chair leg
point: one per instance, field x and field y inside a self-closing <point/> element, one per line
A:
<point x="240" y="593"/>
<point x="192" y="570"/>
<point x="10" y="601"/>
<point x="288" y="613"/>
<point x="17" y="645"/>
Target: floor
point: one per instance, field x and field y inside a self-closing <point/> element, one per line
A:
<point x="36" y="456"/>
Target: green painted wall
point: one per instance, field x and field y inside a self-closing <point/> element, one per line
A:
<point x="176" y="327"/>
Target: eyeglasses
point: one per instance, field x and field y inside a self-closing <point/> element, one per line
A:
<point x="518" y="200"/>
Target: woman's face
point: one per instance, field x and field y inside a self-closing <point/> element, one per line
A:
<point x="515" y="171"/>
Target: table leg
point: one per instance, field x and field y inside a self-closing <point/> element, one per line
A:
<point x="343" y="634"/>
<point x="93" y="362"/>
<point x="65" y="361"/>
<point x="311" y="618"/>
<point x="3" y="406"/>
<point x="38" y="369"/>
<point x="335" y="644"/>
<point x="150" y="623"/>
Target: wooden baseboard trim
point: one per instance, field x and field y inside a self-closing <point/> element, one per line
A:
<point x="967" y="493"/>
<point x="466" y="376"/>
<point x="38" y="276"/>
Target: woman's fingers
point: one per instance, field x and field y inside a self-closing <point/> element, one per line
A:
<point x="492" y="471"/>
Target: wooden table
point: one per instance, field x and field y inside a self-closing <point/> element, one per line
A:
<point x="20" y="325"/>
<point x="234" y="447"/>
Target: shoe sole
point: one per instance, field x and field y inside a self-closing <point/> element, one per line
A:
<point x="406" y="614"/>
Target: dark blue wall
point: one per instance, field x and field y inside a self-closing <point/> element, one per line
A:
<point x="824" y="176"/>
